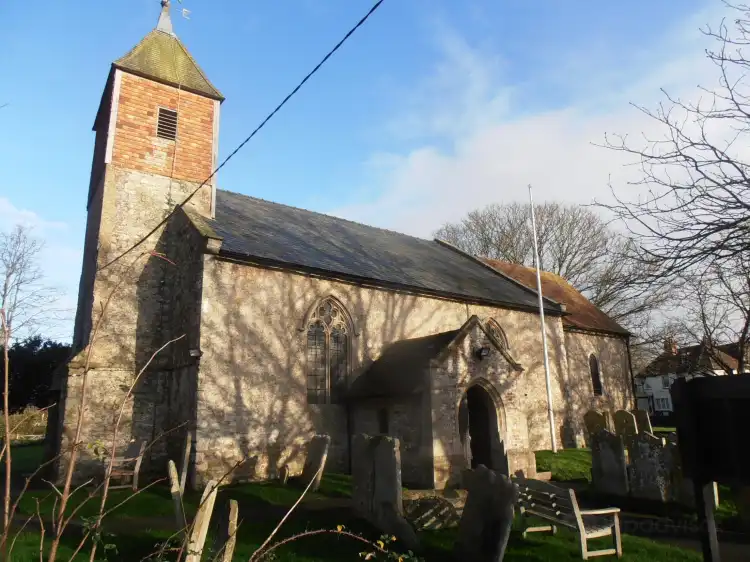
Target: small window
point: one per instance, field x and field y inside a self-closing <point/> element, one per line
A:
<point x="383" y="421"/>
<point x="665" y="381"/>
<point x="596" y="379"/>
<point x="166" y="127"/>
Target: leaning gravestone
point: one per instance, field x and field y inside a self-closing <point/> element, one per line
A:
<point x="650" y="468"/>
<point x="486" y="522"/>
<point x="185" y="463"/>
<point x="594" y="422"/>
<point x="317" y="453"/>
<point x="626" y="425"/>
<point x="626" y="428"/>
<point x="643" y="421"/>
<point x="376" y="486"/>
<point x="609" y="473"/>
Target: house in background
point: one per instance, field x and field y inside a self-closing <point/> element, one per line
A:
<point x="652" y="384"/>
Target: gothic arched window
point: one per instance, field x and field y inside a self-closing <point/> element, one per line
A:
<point x="327" y="353"/>
<point x="596" y="377"/>
<point x="494" y="329"/>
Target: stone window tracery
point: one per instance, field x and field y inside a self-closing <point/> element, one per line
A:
<point x="328" y="340"/>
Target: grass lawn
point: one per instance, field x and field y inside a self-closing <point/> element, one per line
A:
<point x="26" y="457"/>
<point x="538" y="547"/>
<point x="566" y="465"/>
<point x="141" y="524"/>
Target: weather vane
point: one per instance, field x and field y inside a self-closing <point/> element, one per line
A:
<point x="185" y="12"/>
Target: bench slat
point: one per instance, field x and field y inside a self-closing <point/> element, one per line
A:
<point x="560" y="498"/>
<point x="544" y="514"/>
<point x="525" y="496"/>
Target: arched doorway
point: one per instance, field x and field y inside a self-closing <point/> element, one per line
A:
<point x="479" y="429"/>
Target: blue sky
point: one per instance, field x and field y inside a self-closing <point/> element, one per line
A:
<point x="433" y="108"/>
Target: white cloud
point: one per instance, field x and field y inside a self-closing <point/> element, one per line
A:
<point x="10" y="216"/>
<point x="59" y="260"/>
<point x="484" y="147"/>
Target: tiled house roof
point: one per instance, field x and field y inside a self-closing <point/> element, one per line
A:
<point x="582" y="314"/>
<point x="698" y="359"/>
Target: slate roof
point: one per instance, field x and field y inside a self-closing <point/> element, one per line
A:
<point x="400" y="370"/>
<point x="582" y="314"/>
<point x="279" y="235"/>
<point x="698" y="359"/>
<point x="163" y="57"/>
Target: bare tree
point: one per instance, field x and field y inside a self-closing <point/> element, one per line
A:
<point x="717" y="308"/>
<point x="24" y="297"/>
<point x="692" y="209"/>
<point x="575" y="243"/>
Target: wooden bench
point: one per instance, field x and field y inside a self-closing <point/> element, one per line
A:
<point x="560" y="507"/>
<point x="128" y="465"/>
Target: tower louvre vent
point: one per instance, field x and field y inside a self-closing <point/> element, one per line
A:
<point x="166" y="127"/>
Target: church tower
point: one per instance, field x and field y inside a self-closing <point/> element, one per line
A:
<point x="156" y="142"/>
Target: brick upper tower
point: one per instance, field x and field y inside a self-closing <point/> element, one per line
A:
<point x="156" y="141"/>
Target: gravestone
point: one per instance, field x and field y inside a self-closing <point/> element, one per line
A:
<point x="376" y="486"/>
<point x="186" y="450"/>
<point x="486" y="522"/>
<point x="199" y="530"/>
<point x="432" y="513"/>
<point x="650" y="468"/>
<point x="626" y="425"/>
<point x="626" y="428"/>
<point x="609" y="473"/>
<point x="681" y="489"/>
<point x="176" y="493"/>
<point x="594" y="422"/>
<point x="643" y="420"/>
<point x="317" y="453"/>
<point x="228" y="532"/>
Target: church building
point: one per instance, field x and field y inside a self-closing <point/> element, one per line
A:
<point x="252" y="326"/>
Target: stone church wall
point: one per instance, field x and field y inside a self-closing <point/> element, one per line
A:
<point x="156" y="293"/>
<point x="614" y="367"/>
<point x="252" y="381"/>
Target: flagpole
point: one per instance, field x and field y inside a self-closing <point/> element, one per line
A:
<point x="550" y="412"/>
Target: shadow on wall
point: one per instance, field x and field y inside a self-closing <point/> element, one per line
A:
<point x="253" y="386"/>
